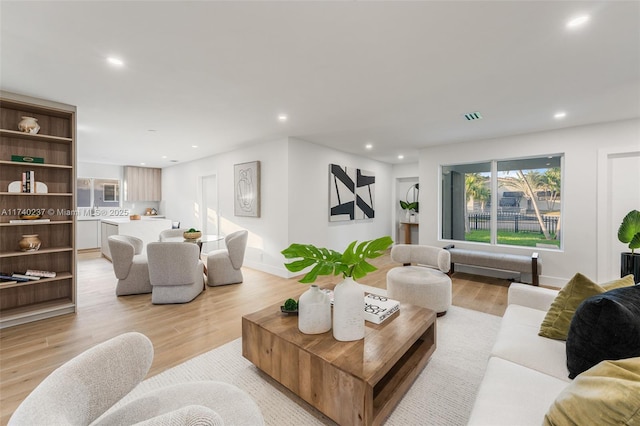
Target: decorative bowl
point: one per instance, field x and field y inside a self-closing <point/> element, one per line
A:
<point x="192" y="235"/>
<point x="134" y="217"/>
<point x="30" y="216"/>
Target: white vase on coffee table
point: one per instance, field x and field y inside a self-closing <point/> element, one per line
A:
<point x="348" y="311"/>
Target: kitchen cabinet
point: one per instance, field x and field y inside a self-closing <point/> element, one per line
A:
<point x="87" y="234"/>
<point x="143" y="183"/>
<point x="52" y="151"/>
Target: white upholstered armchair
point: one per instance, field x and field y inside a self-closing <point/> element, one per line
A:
<point x="83" y="390"/>
<point x="129" y="265"/>
<point x="171" y="233"/>
<point x="423" y="279"/>
<point x="224" y="266"/>
<point x="176" y="272"/>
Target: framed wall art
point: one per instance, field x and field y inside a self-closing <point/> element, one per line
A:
<point x="351" y="193"/>
<point x="246" y="189"/>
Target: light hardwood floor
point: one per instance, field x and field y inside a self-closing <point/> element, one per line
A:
<point x="29" y="352"/>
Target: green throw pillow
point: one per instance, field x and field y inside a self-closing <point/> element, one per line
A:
<point x="558" y="319"/>
<point x="606" y="394"/>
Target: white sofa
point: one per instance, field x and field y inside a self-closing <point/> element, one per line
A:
<point x="525" y="372"/>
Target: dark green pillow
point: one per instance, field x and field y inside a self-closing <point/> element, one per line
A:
<point x="604" y="327"/>
<point x="556" y="323"/>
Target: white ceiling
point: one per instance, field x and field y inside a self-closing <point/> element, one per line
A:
<point x="398" y="75"/>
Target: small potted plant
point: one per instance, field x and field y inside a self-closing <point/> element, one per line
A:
<point x="629" y="233"/>
<point x="192" y="234"/>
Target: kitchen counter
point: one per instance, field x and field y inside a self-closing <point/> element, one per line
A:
<point x="147" y="229"/>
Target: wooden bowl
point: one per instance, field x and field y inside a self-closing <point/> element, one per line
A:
<point x="134" y="217"/>
<point x="30" y="216"/>
<point x="192" y="235"/>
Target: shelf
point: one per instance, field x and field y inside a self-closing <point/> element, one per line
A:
<point x="38" y="194"/>
<point x="36" y="311"/>
<point x="34" y="137"/>
<point x="28" y="301"/>
<point x="53" y="222"/>
<point x="21" y="163"/>
<point x="59" y="276"/>
<point x="16" y="253"/>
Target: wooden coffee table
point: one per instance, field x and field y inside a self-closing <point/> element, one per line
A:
<point x="353" y="383"/>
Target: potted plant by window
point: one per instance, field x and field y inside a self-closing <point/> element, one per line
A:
<point x="629" y="233"/>
<point x="348" y="306"/>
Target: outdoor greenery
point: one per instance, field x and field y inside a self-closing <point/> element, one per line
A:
<point x="526" y="239"/>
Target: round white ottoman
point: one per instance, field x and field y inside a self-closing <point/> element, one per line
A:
<point x="421" y="286"/>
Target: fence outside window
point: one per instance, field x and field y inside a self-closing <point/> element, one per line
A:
<point x="512" y="222"/>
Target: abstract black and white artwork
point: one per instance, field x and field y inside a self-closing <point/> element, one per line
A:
<point x="351" y="193"/>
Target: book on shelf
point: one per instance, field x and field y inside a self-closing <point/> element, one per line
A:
<point x="378" y="308"/>
<point x="42" y="274"/>
<point x="29" y="220"/>
<point x="24" y="276"/>
<point x="4" y="281"/>
<point x="29" y="181"/>
<point x="8" y="278"/>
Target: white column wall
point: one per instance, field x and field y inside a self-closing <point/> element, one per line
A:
<point x="268" y="235"/>
<point x="309" y="197"/>
<point x="580" y="146"/>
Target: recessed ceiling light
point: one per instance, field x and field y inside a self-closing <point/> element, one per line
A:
<point x="115" y="61"/>
<point x="578" y="21"/>
<point x="164" y="156"/>
<point x="194" y="146"/>
<point x="282" y="117"/>
<point x="142" y="164"/>
<point x="400" y="157"/>
<point x="560" y="115"/>
<point x="368" y="146"/>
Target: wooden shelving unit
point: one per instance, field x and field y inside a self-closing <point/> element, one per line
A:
<point x="56" y="142"/>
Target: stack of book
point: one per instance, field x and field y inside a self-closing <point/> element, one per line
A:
<point x="379" y="308"/>
<point x="29" y="181"/>
<point x="29" y="275"/>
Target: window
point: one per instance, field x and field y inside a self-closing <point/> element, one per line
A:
<point x="511" y="202"/>
<point x="94" y="192"/>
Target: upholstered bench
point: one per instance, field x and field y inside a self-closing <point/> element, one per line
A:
<point x="502" y="261"/>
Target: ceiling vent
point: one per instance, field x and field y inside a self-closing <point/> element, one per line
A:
<point x="473" y="116"/>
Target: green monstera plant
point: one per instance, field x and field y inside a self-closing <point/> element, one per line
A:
<point x="629" y="231"/>
<point x="352" y="263"/>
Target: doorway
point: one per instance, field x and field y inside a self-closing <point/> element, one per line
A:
<point x="210" y="217"/>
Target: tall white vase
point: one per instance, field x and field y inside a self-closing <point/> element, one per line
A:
<point x="314" y="311"/>
<point x="348" y="311"/>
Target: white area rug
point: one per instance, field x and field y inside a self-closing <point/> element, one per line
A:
<point x="443" y="394"/>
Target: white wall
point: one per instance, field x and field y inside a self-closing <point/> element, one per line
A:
<point x="294" y="195"/>
<point x="580" y="146"/>
<point x="308" y="195"/>
<point x="181" y="193"/>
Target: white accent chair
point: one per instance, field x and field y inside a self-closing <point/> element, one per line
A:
<point x="224" y="266"/>
<point x="86" y="388"/>
<point x="422" y="280"/>
<point x="129" y="265"/>
<point x="176" y="272"/>
<point x="171" y="233"/>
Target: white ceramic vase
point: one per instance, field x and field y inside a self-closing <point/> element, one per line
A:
<point x="348" y="311"/>
<point x="314" y="311"/>
<point x="29" y="125"/>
